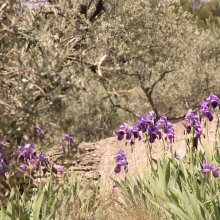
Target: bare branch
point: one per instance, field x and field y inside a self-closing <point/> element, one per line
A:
<point x="98" y="10"/>
<point x="161" y="77"/>
<point x="148" y="90"/>
<point x="118" y="105"/>
<point x="99" y="65"/>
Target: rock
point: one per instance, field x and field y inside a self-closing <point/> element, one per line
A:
<point x="97" y="160"/>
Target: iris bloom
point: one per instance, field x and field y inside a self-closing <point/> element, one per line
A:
<point x="128" y="132"/>
<point x="191" y="122"/>
<point x="166" y="127"/>
<point x="68" y="137"/>
<point x="207" y="167"/>
<point x="149" y="125"/>
<point x="23" y="167"/>
<point x="215" y="173"/>
<point x="121" y="161"/>
<point x="205" y="106"/>
<point x="37" y="131"/>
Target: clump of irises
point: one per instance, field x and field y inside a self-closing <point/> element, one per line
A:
<point x="207" y="105"/>
<point x="154" y="128"/>
<point x="67" y="140"/>
<point x="29" y="159"/>
<point x="209" y="168"/>
<point x="149" y="125"/>
<point x="121" y="162"/>
<point x="37" y="132"/>
<point x="192" y="121"/>
<point x="25" y="161"/>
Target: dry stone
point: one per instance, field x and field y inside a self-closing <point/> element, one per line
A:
<point x="97" y="160"/>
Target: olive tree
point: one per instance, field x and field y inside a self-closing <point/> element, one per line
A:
<point x="89" y="65"/>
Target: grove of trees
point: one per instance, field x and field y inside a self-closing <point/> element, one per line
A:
<point x="88" y="65"/>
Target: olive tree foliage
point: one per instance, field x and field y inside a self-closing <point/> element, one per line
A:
<point x="42" y="76"/>
<point x="166" y="62"/>
<point x="87" y="66"/>
<point x="207" y="13"/>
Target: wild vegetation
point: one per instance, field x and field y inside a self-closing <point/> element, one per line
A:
<point x="82" y="68"/>
<point x="89" y="65"/>
<point x="173" y="188"/>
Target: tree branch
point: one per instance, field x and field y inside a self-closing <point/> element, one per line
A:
<point x="162" y="75"/>
<point x="98" y="10"/>
<point x="118" y="105"/>
<point x="148" y="90"/>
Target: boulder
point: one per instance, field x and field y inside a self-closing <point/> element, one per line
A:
<point x="97" y="160"/>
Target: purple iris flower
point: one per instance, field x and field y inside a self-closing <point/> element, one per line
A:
<point x="128" y="132"/>
<point x="169" y="131"/>
<point x="68" y="137"/>
<point x="213" y="100"/>
<point x="204" y="110"/>
<point x="121" y="161"/>
<point x="25" y="152"/>
<point x="153" y="133"/>
<point x="150" y="126"/>
<point x="4" y="143"/>
<point x="215" y="172"/>
<point x="33" y="158"/>
<point x="42" y="156"/>
<point x="191" y="122"/>
<point x="54" y="169"/>
<point x="166" y="127"/>
<point x="205" y="106"/>
<point x="2" y="162"/>
<point x="155" y="128"/>
<point x="207" y="167"/>
<point x="37" y="131"/>
<point x="144" y="122"/>
<point x="43" y="159"/>
<point x="23" y="167"/>
<point x="1" y="159"/>
<point x="124" y="130"/>
<point x="27" y="155"/>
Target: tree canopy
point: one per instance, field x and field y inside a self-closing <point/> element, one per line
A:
<point x="88" y="65"/>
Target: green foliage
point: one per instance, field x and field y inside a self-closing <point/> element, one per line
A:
<point x="89" y="65"/>
<point x="207" y="13"/>
<point x="162" y="59"/>
<point x="42" y="78"/>
<point x="69" y="200"/>
<point x="23" y="206"/>
<point x="177" y="187"/>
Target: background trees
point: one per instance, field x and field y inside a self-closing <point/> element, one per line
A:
<point x="207" y="12"/>
<point x="89" y="65"/>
